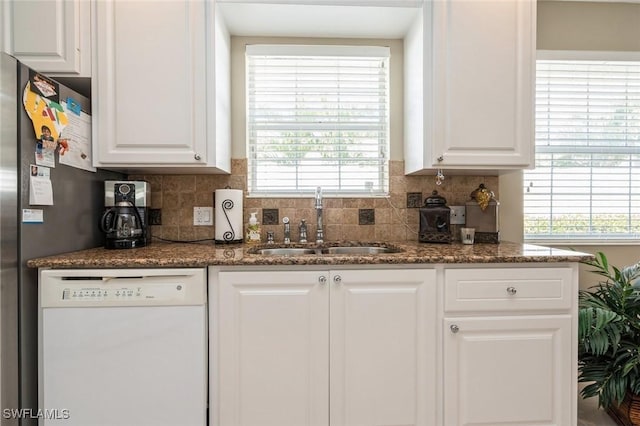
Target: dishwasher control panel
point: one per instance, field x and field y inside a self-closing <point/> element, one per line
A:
<point x="78" y="288"/>
<point x="166" y="291"/>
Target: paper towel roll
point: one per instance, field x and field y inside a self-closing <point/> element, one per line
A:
<point x="228" y="216"/>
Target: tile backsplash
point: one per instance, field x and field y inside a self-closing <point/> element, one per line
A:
<point x="395" y="218"/>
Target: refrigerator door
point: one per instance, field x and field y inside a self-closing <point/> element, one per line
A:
<point x="70" y="224"/>
<point x="9" y="265"/>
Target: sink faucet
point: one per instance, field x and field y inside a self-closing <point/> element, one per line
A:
<point x="302" y="229"/>
<point x="287" y="230"/>
<point x="319" y="232"/>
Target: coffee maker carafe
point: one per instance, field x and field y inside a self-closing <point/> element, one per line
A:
<point x="126" y="217"/>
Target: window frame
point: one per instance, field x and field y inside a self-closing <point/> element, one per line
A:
<point x="569" y="55"/>
<point x="355" y="49"/>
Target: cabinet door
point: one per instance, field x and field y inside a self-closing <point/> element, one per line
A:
<point x="273" y="361"/>
<point x="472" y="65"/>
<point x="509" y="371"/>
<point x="51" y="36"/>
<point x="150" y="82"/>
<point x="484" y="58"/>
<point x="383" y="331"/>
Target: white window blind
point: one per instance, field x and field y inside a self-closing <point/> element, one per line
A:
<point x="317" y="116"/>
<point x="586" y="181"/>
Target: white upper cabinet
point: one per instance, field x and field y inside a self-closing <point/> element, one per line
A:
<point x="469" y="86"/>
<point x="161" y="86"/>
<point x="50" y="36"/>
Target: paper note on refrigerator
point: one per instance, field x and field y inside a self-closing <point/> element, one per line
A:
<point x="40" y="191"/>
<point x="32" y="216"/>
<point x="75" y="141"/>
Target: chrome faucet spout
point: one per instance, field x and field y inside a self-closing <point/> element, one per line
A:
<point x="287" y="230"/>
<point x="318" y="198"/>
<point x="319" y="231"/>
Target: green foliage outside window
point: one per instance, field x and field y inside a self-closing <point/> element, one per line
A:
<point x="582" y="224"/>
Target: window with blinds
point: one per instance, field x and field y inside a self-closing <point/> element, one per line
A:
<point x="317" y="116"/>
<point x="586" y="181"/>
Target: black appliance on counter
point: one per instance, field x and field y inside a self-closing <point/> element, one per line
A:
<point x="125" y="221"/>
<point x="435" y="220"/>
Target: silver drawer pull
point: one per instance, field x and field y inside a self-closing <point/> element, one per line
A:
<point x="322" y="279"/>
<point x="337" y="279"/>
<point x="454" y="328"/>
<point x="511" y="290"/>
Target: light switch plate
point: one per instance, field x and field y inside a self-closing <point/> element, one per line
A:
<point x="202" y="216"/>
<point x="458" y="215"/>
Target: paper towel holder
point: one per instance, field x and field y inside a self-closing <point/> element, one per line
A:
<point x="229" y="217"/>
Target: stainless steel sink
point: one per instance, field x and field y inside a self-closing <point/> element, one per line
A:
<point x="287" y="251"/>
<point x="358" y="250"/>
<point x="297" y="251"/>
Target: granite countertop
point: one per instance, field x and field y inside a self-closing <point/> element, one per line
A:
<point x="164" y="254"/>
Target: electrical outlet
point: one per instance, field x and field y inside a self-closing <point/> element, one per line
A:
<point x="458" y="215"/>
<point x="202" y="216"/>
<point x="155" y="216"/>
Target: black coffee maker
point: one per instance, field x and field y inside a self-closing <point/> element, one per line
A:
<point x="126" y="217"/>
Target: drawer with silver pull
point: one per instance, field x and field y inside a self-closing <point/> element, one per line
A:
<point x="507" y="289"/>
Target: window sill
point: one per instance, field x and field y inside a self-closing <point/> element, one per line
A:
<point x="312" y="195"/>
<point x="566" y="243"/>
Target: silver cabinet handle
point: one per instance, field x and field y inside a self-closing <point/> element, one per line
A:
<point x="197" y="157"/>
<point x="322" y="279"/>
<point x="337" y="279"/>
<point x="440" y="159"/>
<point x="454" y="328"/>
<point x="511" y="290"/>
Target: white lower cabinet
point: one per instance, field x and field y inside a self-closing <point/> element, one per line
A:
<point x="509" y="351"/>
<point x="273" y="349"/>
<point x="324" y="347"/>
<point x="456" y="345"/>
<point x="508" y="371"/>
<point x="382" y="329"/>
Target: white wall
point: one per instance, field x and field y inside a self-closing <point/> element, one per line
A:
<point x="572" y="25"/>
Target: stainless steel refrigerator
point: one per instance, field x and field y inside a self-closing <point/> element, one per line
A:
<point x="70" y="224"/>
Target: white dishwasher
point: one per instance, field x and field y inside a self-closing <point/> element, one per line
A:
<point x="122" y="347"/>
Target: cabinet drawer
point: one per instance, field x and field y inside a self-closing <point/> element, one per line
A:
<point x="499" y="289"/>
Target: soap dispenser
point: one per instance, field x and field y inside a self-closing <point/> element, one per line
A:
<point x="253" y="230"/>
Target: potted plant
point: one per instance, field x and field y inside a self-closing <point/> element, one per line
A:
<point x="609" y="340"/>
